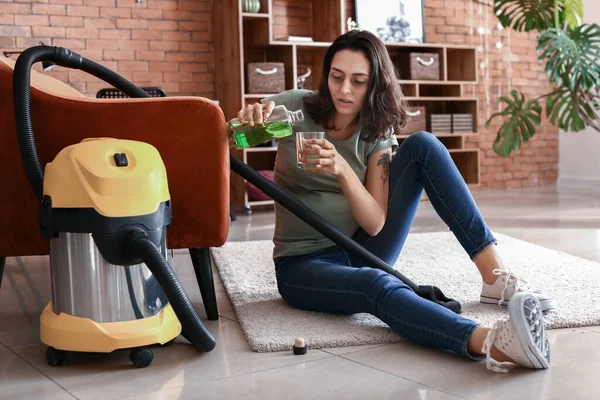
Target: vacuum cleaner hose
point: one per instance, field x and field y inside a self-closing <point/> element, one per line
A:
<point x="192" y="328"/>
<point x="22" y="103"/>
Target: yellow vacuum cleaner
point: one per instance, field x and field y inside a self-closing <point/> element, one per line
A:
<point x="105" y="207"/>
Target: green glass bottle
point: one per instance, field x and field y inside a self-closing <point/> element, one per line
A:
<point x="279" y="124"/>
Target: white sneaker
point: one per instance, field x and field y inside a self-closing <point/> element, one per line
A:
<point x="521" y="336"/>
<point x="506" y="285"/>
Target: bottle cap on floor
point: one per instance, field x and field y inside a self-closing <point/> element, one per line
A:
<point x="299" y="346"/>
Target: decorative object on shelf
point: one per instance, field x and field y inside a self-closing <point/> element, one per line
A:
<point x="351" y="24"/>
<point x="302" y="78"/>
<point x="402" y="20"/>
<point x="425" y="66"/>
<point x="441" y="123"/>
<point x="251" y="6"/>
<point x="254" y="193"/>
<point x="416" y="121"/>
<point x="570" y="50"/>
<point x="462" y="123"/>
<point x="265" y="77"/>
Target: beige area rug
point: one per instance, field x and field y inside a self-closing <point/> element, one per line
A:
<point x="269" y="324"/>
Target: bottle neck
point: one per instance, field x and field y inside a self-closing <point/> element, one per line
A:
<point x="295" y="116"/>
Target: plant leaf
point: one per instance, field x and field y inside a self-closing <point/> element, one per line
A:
<point x="570" y="109"/>
<point x="573" y="12"/>
<point x="523" y="117"/>
<point x="528" y="15"/>
<point x="572" y="55"/>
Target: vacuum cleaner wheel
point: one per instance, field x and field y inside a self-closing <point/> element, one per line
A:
<point x="141" y="358"/>
<point x="55" y="357"/>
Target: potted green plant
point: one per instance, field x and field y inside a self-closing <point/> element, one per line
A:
<point x="570" y="50"/>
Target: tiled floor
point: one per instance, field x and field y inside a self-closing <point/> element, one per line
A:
<point x="566" y="220"/>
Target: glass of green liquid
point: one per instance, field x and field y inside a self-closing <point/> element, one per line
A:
<point x="301" y="138"/>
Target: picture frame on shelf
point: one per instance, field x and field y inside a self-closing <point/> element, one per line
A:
<point x="403" y="21"/>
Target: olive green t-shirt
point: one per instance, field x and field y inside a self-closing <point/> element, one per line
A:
<point x="320" y="192"/>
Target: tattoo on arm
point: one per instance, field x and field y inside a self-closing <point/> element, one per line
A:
<point x="384" y="161"/>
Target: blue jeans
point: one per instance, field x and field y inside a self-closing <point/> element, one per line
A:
<point x="335" y="281"/>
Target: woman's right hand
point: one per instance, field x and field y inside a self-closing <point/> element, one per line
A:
<point x="255" y="113"/>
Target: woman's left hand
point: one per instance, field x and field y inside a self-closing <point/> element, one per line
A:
<point x="327" y="159"/>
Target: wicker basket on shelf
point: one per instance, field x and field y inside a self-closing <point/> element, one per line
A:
<point x="265" y="77"/>
<point x="416" y="121"/>
<point x="425" y="66"/>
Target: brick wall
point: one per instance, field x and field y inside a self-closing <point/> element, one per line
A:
<point x="448" y="21"/>
<point x="292" y="17"/>
<point x="166" y="43"/>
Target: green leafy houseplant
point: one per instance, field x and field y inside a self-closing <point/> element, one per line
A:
<point x="571" y="52"/>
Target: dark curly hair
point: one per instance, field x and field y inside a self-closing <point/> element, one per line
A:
<point x="383" y="113"/>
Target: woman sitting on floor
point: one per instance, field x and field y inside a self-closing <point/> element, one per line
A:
<point x="358" y="186"/>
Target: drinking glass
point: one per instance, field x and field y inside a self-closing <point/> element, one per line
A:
<point x="301" y="137"/>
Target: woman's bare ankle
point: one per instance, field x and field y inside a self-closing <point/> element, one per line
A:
<point x="500" y="356"/>
<point x="487" y="261"/>
<point x="476" y="344"/>
<point x="489" y="279"/>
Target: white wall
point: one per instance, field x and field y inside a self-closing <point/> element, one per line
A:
<point x="579" y="152"/>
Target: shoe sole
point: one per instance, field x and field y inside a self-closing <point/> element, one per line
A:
<point x="547" y="304"/>
<point x="521" y="324"/>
